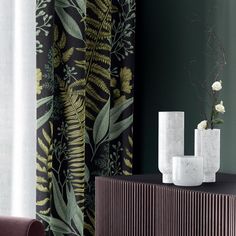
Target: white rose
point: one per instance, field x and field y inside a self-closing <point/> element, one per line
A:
<point x="202" y="125"/>
<point x="220" y="107"/>
<point x="217" y="86"/>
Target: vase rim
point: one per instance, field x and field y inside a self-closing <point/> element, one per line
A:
<point x="207" y="129"/>
<point x="184" y="157"/>
<point x="170" y="111"/>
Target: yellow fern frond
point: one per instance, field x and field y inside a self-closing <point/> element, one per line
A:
<point x="92" y="92"/>
<point x="99" y="83"/>
<point x="45" y="212"/>
<point x="41" y="180"/>
<point x="98" y="57"/>
<point x="62" y="42"/>
<point x="98" y="39"/>
<point x="91" y="117"/>
<point x="130" y="141"/>
<point x="93" y="34"/>
<point x="81" y="64"/>
<point x="99" y="45"/>
<point x="97" y="24"/>
<point x="74" y="112"/>
<point x="81" y="49"/>
<point x="94" y="8"/>
<point x="43" y="146"/>
<point x="40" y="168"/>
<point x="125" y="172"/>
<point x="101" y="71"/>
<point x="41" y="188"/>
<point x="128" y="153"/>
<point x="42" y="159"/>
<point x="81" y="83"/>
<point x="42" y="202"/>
<point x="67" y="54"/>
<point x="92" y="105"/>
<point x="46" y="137"/>
<point x="102" y="5"/>
<point x="128" y="163"/>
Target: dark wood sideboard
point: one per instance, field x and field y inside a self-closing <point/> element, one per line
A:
<point x="142" y="206"/>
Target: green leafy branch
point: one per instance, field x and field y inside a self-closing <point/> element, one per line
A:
<point x="107" y="125"/>
<point x="43" y="22"/>
<point x="71" y="219"/>
<point x="45" y="117"/>
<point x="123" y="30"/>
<point x="70" y="24"/>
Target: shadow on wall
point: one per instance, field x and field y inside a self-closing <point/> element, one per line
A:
<point x="171" y="61"/>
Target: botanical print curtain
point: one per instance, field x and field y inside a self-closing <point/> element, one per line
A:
<point x="85" y="75"/>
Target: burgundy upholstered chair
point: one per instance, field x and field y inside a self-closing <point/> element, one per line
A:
<point x="14" y="226"/>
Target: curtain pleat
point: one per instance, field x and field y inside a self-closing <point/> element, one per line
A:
<point x="85" y="66"/>
<point x="17" y="109"/>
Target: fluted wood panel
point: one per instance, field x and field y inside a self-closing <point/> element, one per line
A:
<point x="125" y="208"/>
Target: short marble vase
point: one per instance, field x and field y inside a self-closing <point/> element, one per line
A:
<point x="187" y="171"/>
<point x="170" y="142"/>
<point x="207" y="145"/>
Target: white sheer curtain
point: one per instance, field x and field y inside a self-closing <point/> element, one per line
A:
<point x="17" y="108"/>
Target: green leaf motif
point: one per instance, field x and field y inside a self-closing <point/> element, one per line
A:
<point x="56" y="225"/>
<point x="62" y="3"/>
<point x="86" y="137"/>
<point x="43" y="119"/>
<point x="101" y="124"/>
<point x="69" y="23"/>
<point x="44" y="100"/>
<point x="45" y="218"/>
<point x="87" y="174"/>
<point x="78" y="220"/>
<point x="117" y="110"/>
<point x="58" y="234"/>
<point x="72" y="218"/>
<point x="82" y="6"/>
<point x="119" y="127"/>
<point x="73" y="210"/>
<point x="69" y="209"/>
<point x="59" y="226"/>
<point x="58" y="200"/>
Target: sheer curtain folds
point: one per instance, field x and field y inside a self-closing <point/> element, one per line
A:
<point x="17" y="108"/>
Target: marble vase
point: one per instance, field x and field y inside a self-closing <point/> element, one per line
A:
<point x="207" y="145"/>
<point x="171" y="141"/>
<point x="187" y="170"/>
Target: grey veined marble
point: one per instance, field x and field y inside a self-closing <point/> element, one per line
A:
<point x="187" y="170"/>
<point x="171" y="141"/>
<point x="207" y="145"/>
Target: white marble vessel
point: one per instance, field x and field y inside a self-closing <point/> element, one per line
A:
<point x="170" y="141"/>
<point x="207" y="145"/>
<point x="187" y="170"/>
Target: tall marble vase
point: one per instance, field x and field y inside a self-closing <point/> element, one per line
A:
<point x="207" y="145"/>
<point x="170" y="141"/>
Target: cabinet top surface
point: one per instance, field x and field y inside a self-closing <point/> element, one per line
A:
<point x="225" y="183"/>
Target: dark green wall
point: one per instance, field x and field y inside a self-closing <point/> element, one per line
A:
<point x="225" y="19"/>
<point x="171" y="59"/>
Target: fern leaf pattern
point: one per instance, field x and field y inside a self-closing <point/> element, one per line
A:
<point x="98" y="38"/>
<point x="84" y="81"/>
